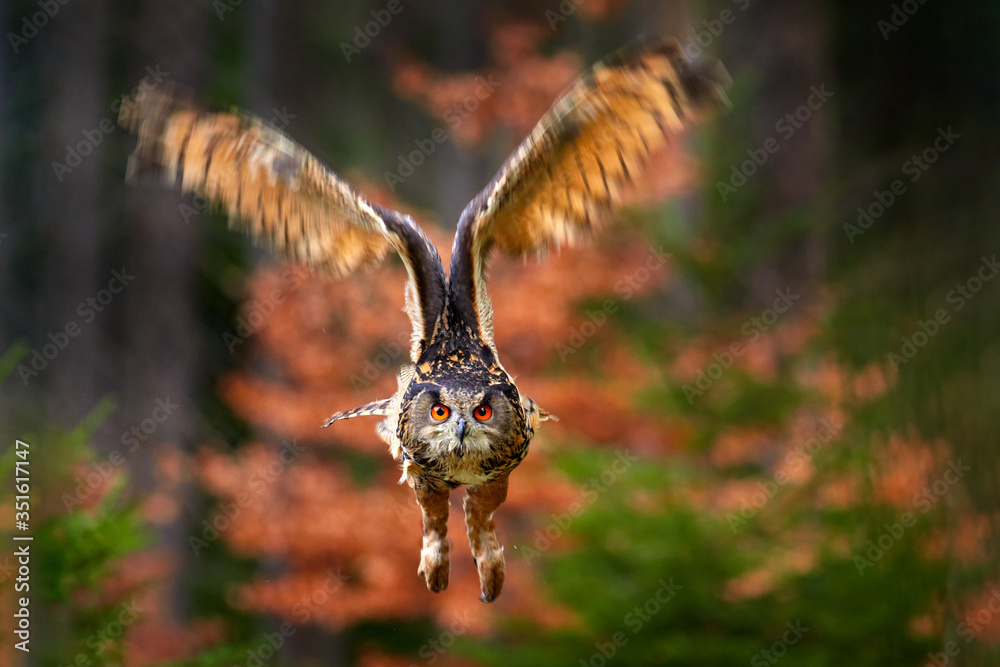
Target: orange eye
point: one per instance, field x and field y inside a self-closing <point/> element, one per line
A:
<point x="483" y="412"/>
<point x="439" y="412"/>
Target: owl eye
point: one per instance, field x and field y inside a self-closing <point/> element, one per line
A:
<point x="483" y="412"/>
<point x="439" y="412"/>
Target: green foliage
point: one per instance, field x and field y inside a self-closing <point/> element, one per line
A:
<point x="75" y="552"/>
<point x="219" y="656"/>
<point x="80" y="548"/>
<point x="10" y="358"/>
<point x="627" y="557"/>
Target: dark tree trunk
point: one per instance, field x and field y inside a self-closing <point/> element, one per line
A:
<point x="783" y="48"/>
<point x="72" y="67"/>
<point x="8" y="303"/>
<point x="162" y="332"/>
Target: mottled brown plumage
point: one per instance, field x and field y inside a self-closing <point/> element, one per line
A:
<point x="457" y="416"/>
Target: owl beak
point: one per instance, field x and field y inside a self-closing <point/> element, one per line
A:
<point x="461" y="430"/>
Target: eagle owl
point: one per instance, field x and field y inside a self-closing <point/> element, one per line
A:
<point x="457" y="417"/>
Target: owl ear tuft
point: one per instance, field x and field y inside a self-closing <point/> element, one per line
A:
<point x="535" y="414"/>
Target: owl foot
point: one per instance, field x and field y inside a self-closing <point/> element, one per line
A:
<point x="434" y="566"/>
<point x="434" y="563"/>
<point x="491" y="576"/>
<point x="480" y="503"/>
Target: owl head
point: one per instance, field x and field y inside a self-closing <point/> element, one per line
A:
<point x="463" y="418"/>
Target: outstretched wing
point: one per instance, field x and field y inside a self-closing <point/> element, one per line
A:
<point x="281" y="194"/>
<point x="565" y="177"/>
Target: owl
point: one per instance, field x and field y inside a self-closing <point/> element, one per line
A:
<point x="457" y="417"/>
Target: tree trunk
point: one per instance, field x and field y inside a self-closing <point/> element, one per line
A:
<point x="162" y="333"/>
<point x="68" y="202"/>
<point x="783" y="48"/>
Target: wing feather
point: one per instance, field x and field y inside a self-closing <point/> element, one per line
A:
<point x="281" y="194"/>
<point x="560" y="184"/>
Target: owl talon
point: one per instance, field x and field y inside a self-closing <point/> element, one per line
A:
<point x="435" y="564"/>
<point x="491" y="578"/>
<point x="434" y="568"/>
<point x="480" y="503"/>
<point x="436" y="577"/>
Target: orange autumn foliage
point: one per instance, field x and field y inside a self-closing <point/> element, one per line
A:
<point x="330" y="345"/>
<point x="512" y="94"/>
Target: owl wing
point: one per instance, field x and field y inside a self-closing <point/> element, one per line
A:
<point x="567" y="175"/>
<point x="282" y="195"/>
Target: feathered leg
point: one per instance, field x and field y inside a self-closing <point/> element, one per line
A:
<point x="434" y="562"/>
<point x="480" y="504"/>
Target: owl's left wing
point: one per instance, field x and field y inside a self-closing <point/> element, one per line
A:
<point x="566" y="176"/>
<point x="281" y="194"/>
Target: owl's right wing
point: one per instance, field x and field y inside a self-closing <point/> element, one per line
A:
<point x="568" y="174"/>
<point x="281" y="194"/>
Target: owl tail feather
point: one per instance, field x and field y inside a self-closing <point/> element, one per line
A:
<point x="380" y="408"/>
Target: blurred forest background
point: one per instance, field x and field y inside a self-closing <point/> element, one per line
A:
<point x="778" y="444"/>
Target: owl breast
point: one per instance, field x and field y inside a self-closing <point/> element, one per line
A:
<point x="476" y="460"/>
<point x="470" y="461"/>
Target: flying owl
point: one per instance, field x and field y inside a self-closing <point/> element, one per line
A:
<point x="457" y="417"/>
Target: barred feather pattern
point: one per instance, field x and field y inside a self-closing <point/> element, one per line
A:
<point x="280" y="193"/>
<point x="560" y="185"/>
<point x="379" y="408"/>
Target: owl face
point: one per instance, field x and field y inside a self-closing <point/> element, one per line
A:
<point x="459" y="421"/>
